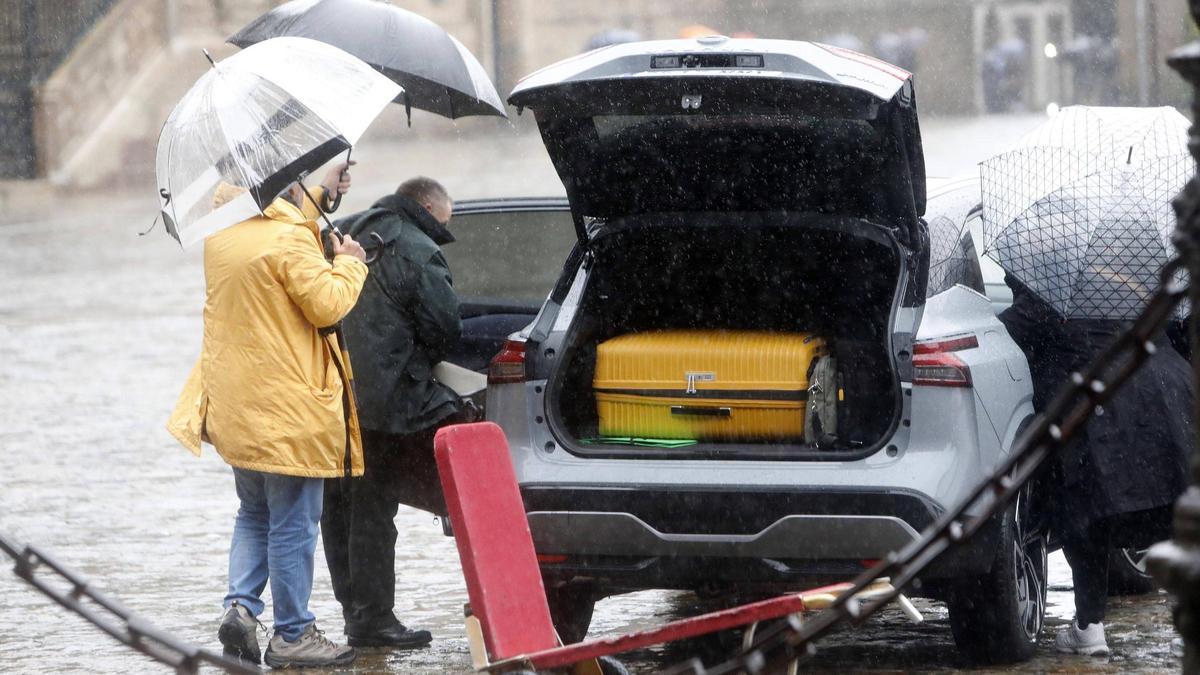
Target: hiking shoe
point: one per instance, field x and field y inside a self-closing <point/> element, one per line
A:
<point x="238" y="634"/>
<point x="396" y="636"/>
<point x="1086" y="641"/>
<point x="311" y="650"/>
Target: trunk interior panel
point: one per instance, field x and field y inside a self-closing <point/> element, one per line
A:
<point x="836" y="277"/>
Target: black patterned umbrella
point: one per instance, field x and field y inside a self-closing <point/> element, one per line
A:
<point x="1080" y="210"/>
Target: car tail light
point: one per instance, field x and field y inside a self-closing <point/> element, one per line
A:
<point x="508" y="366"/>
<point x="935" y="364"/>
<point x="551" y="559"/>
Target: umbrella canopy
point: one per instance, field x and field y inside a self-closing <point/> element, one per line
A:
<point x="437" y="72"/>
<point x="1080" y="210"/>
<point x="255" y="123"/>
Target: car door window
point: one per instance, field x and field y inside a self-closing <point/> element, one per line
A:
<point x="508" y="257"/>
<point x="954" y="258"/>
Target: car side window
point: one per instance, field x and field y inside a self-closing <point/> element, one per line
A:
<point x="508" y="256"/>
<point x="969" y="273"/>
<point x="954" y="258"/>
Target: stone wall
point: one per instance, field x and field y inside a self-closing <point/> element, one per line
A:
<point x="84" y="90"/>
<point x="101" y="111"/>
<point x="1169" y="26"/>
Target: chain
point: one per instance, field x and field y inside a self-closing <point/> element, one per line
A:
<point x="1070" y="409"/>
<point x="111" y="617"/>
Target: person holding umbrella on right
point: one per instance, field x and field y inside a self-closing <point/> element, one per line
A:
<point x="1115" y="483"/>
<point x="1079" y="217"/>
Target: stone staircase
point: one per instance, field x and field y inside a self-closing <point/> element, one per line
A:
<point x="98" y="116"/>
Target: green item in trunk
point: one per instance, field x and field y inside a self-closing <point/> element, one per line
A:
<point x="644" y="442"/>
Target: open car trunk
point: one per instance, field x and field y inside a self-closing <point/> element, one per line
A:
<point x="723" y="184"/>
<point x="832" y="276"/>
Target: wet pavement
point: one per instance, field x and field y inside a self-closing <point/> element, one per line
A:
<point x="98" y="329"/>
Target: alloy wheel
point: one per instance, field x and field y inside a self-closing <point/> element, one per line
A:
<point x="1136" y="558"/>
<point x="1029" y="567"/>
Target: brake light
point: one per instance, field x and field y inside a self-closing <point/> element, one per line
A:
<point x="508" y="366"/>
<point x="935" y="365"/>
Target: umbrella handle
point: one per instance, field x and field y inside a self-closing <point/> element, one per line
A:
<point x="330" y="207"/>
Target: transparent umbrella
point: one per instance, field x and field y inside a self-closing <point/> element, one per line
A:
<point x="255" y="123"/>
<point x="1079" y="211"/>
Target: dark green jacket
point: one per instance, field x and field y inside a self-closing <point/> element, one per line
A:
<point x="406" y="319"/>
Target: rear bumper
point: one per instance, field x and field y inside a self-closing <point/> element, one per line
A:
<point x="795" y="536"/>
<point x="624" y="539"/>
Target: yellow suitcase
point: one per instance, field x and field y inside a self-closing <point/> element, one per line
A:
<point x="705" y="385"/>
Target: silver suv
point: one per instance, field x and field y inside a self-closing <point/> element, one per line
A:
<point x="771" y="185"/>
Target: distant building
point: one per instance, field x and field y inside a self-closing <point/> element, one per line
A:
<point x="85" y="84"/>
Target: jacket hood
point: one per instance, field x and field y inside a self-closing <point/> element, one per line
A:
<point x="411" y="211"/>
<point x="225" y="193"/>
<point x="280" y="209"/>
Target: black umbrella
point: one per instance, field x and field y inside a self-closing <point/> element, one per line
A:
<point x="437" y="72"/>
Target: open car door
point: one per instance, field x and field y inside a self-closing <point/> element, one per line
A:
<point x="506" y="258"/>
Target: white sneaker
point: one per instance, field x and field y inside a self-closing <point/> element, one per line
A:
<point x="1088" y="641"/>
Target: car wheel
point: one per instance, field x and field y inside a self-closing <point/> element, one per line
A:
<point x="611" y="666"/>
<point x="1127" y="573"/>
<point x="997" y="618"/>
<point x="571" y="611"/>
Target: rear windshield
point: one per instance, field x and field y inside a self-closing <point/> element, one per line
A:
<point x="698" y="162"/>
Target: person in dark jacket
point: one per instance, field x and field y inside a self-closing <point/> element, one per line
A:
<point x="1114" y="484"/>
<point x="406" y="320"/>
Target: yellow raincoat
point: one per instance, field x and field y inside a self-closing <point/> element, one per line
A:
<point x="267" y="391"/>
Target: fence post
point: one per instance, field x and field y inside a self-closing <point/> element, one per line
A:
<point x="1176" y="563"/>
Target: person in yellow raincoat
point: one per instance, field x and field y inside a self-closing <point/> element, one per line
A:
<point x="271" y="392"/>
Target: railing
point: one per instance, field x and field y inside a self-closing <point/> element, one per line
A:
<point x="70" y="590"/>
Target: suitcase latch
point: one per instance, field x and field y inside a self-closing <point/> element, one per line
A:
<point x="693" y="378"/>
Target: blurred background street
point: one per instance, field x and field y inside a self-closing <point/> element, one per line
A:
<point x="99" y="326"/>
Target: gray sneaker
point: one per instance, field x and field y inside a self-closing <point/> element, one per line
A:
<point x="238" y="634"/>
<point x="311" y="650"/>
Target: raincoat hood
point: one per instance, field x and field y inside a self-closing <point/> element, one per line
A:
<point x="226" y="193"/>
<point x="280" y="209"/>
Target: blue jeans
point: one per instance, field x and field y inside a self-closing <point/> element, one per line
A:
<point x="274" y="538"/>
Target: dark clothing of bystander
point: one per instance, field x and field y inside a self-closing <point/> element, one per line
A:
<point x="360" y="531"/>
<point x="1114" y="483"/>
<point x="406" y="321"/>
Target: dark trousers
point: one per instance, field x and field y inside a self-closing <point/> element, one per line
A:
<point x="1087" y="553"/>
<point x="358" y="524"/>
<point x="1088" y="557"/>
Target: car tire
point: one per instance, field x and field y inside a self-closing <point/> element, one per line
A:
<point x="611" y="666"/>
<point x="571" y="611"/>
<point x="1127" y="573"/>
<point x="998" y="617"/>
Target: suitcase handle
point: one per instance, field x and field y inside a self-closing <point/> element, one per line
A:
<point x="697" y="410"/>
